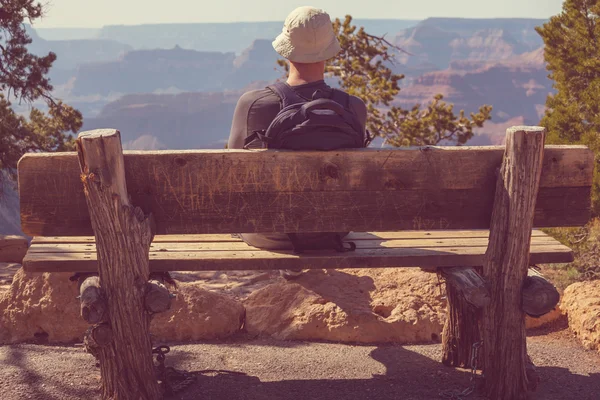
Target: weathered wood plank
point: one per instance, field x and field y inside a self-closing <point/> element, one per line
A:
<point x="157" y="298"/>
<point x="469" y="284"/>
<point x="266" y="260"/>
<point x="208" y="238"/>
<point x="461" y="329"/>
<point x="337" y="211"/>
<point x="123" y="236"/>
<point x="539" y="295"/>
<point x="98" y="336"/>
<point x="506" y="263"/>
<point x="12" y="248"/>
<point x="272" y="191"/>
<point x="241" y="246"/>
<point x="93" y="308"/>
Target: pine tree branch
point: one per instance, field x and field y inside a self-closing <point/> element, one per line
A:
<point x="382" y="39"/>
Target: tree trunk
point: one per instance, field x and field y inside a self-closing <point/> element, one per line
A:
<point x="506" y="262"/>
<point x="461" y="329"/>
<point x="123" y="236"/>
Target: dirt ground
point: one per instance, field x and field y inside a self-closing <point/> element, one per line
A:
<point x="264" y="369"/>
<point x="268" y="370"/>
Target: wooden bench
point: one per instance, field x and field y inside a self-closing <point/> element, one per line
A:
<point x="428" y="207"/>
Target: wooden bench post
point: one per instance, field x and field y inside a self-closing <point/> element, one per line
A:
<point x="467" y="294"/>
<point x="506" y="262"/>
<point x="123" y="236"/>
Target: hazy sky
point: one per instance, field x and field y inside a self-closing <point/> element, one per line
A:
<point x="95" y="13"/>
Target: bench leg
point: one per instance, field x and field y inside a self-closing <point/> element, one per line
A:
<point x="461" y="329"/>
<point x="123" y="235"/>
<point x="506" y="262"/>
<point x="467" y="295"/>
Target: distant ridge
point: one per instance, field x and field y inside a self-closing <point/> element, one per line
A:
<point x="437" y="42"/>
<point x="236" y="36"/>
<point x="67" y="33"/>
<point x="471" y="61"/>
<point x="222" y="36"/>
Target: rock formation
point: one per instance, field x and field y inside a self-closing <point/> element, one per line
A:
<point x="403" y="305"/>
<point x="44" y="308"/>
<point x="581" y="303"/>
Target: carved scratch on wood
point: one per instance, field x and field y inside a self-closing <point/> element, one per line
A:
<point x="425" y="224"/>
<point x="197" y="191"/>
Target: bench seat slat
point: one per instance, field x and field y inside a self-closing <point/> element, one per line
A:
<point x="447" y="234"/>
<point x="265" y="260"/>
<point x="241" y="246"/>
<point x="209" y="256"/>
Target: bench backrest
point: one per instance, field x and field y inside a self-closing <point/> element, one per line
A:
<point x="231" y="191"/>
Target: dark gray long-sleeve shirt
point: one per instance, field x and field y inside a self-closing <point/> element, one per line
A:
<point x="254" y="111"/>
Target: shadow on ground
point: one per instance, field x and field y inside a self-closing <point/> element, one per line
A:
<point x="30" y="383"/>
<point x="408" y="376"/>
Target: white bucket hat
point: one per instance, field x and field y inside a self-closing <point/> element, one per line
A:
<point x="307" y="36"/>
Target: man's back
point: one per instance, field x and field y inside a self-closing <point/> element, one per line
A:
<point x="306" y="41"/>
<point x="255" y="111"/>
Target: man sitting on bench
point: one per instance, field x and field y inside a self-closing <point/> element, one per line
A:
<point x="307" y="42"/>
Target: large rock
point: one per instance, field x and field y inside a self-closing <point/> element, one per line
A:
<point x="44" y="307"/>
<point x="371" y="305"/>
<point x="197" y="314"/>
<point x="366" y="305"/>
<point x="404" y="305"/>
<point x="581" y="303"/>
<point x="41" y="307"/>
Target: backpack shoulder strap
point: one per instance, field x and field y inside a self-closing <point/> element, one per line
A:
<point x="287" y="95"/>
<point x="343" y="98"/>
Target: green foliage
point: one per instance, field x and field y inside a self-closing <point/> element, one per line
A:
<point x="23" y="75"/>
<point x="41" y="132"/>
<point x="585" y="242"/>
<point x="362" y="72"/>
<point x="572" y="54"/>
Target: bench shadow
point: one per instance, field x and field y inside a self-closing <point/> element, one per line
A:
<point x="378" y="254"/>
<point x="40" y="386"/>
<point x="559" y="324"/>
<point x="408" y="375"/>
<point x="560" y="383"/>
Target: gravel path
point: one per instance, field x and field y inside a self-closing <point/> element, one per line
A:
<point x="269" y="370"/>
